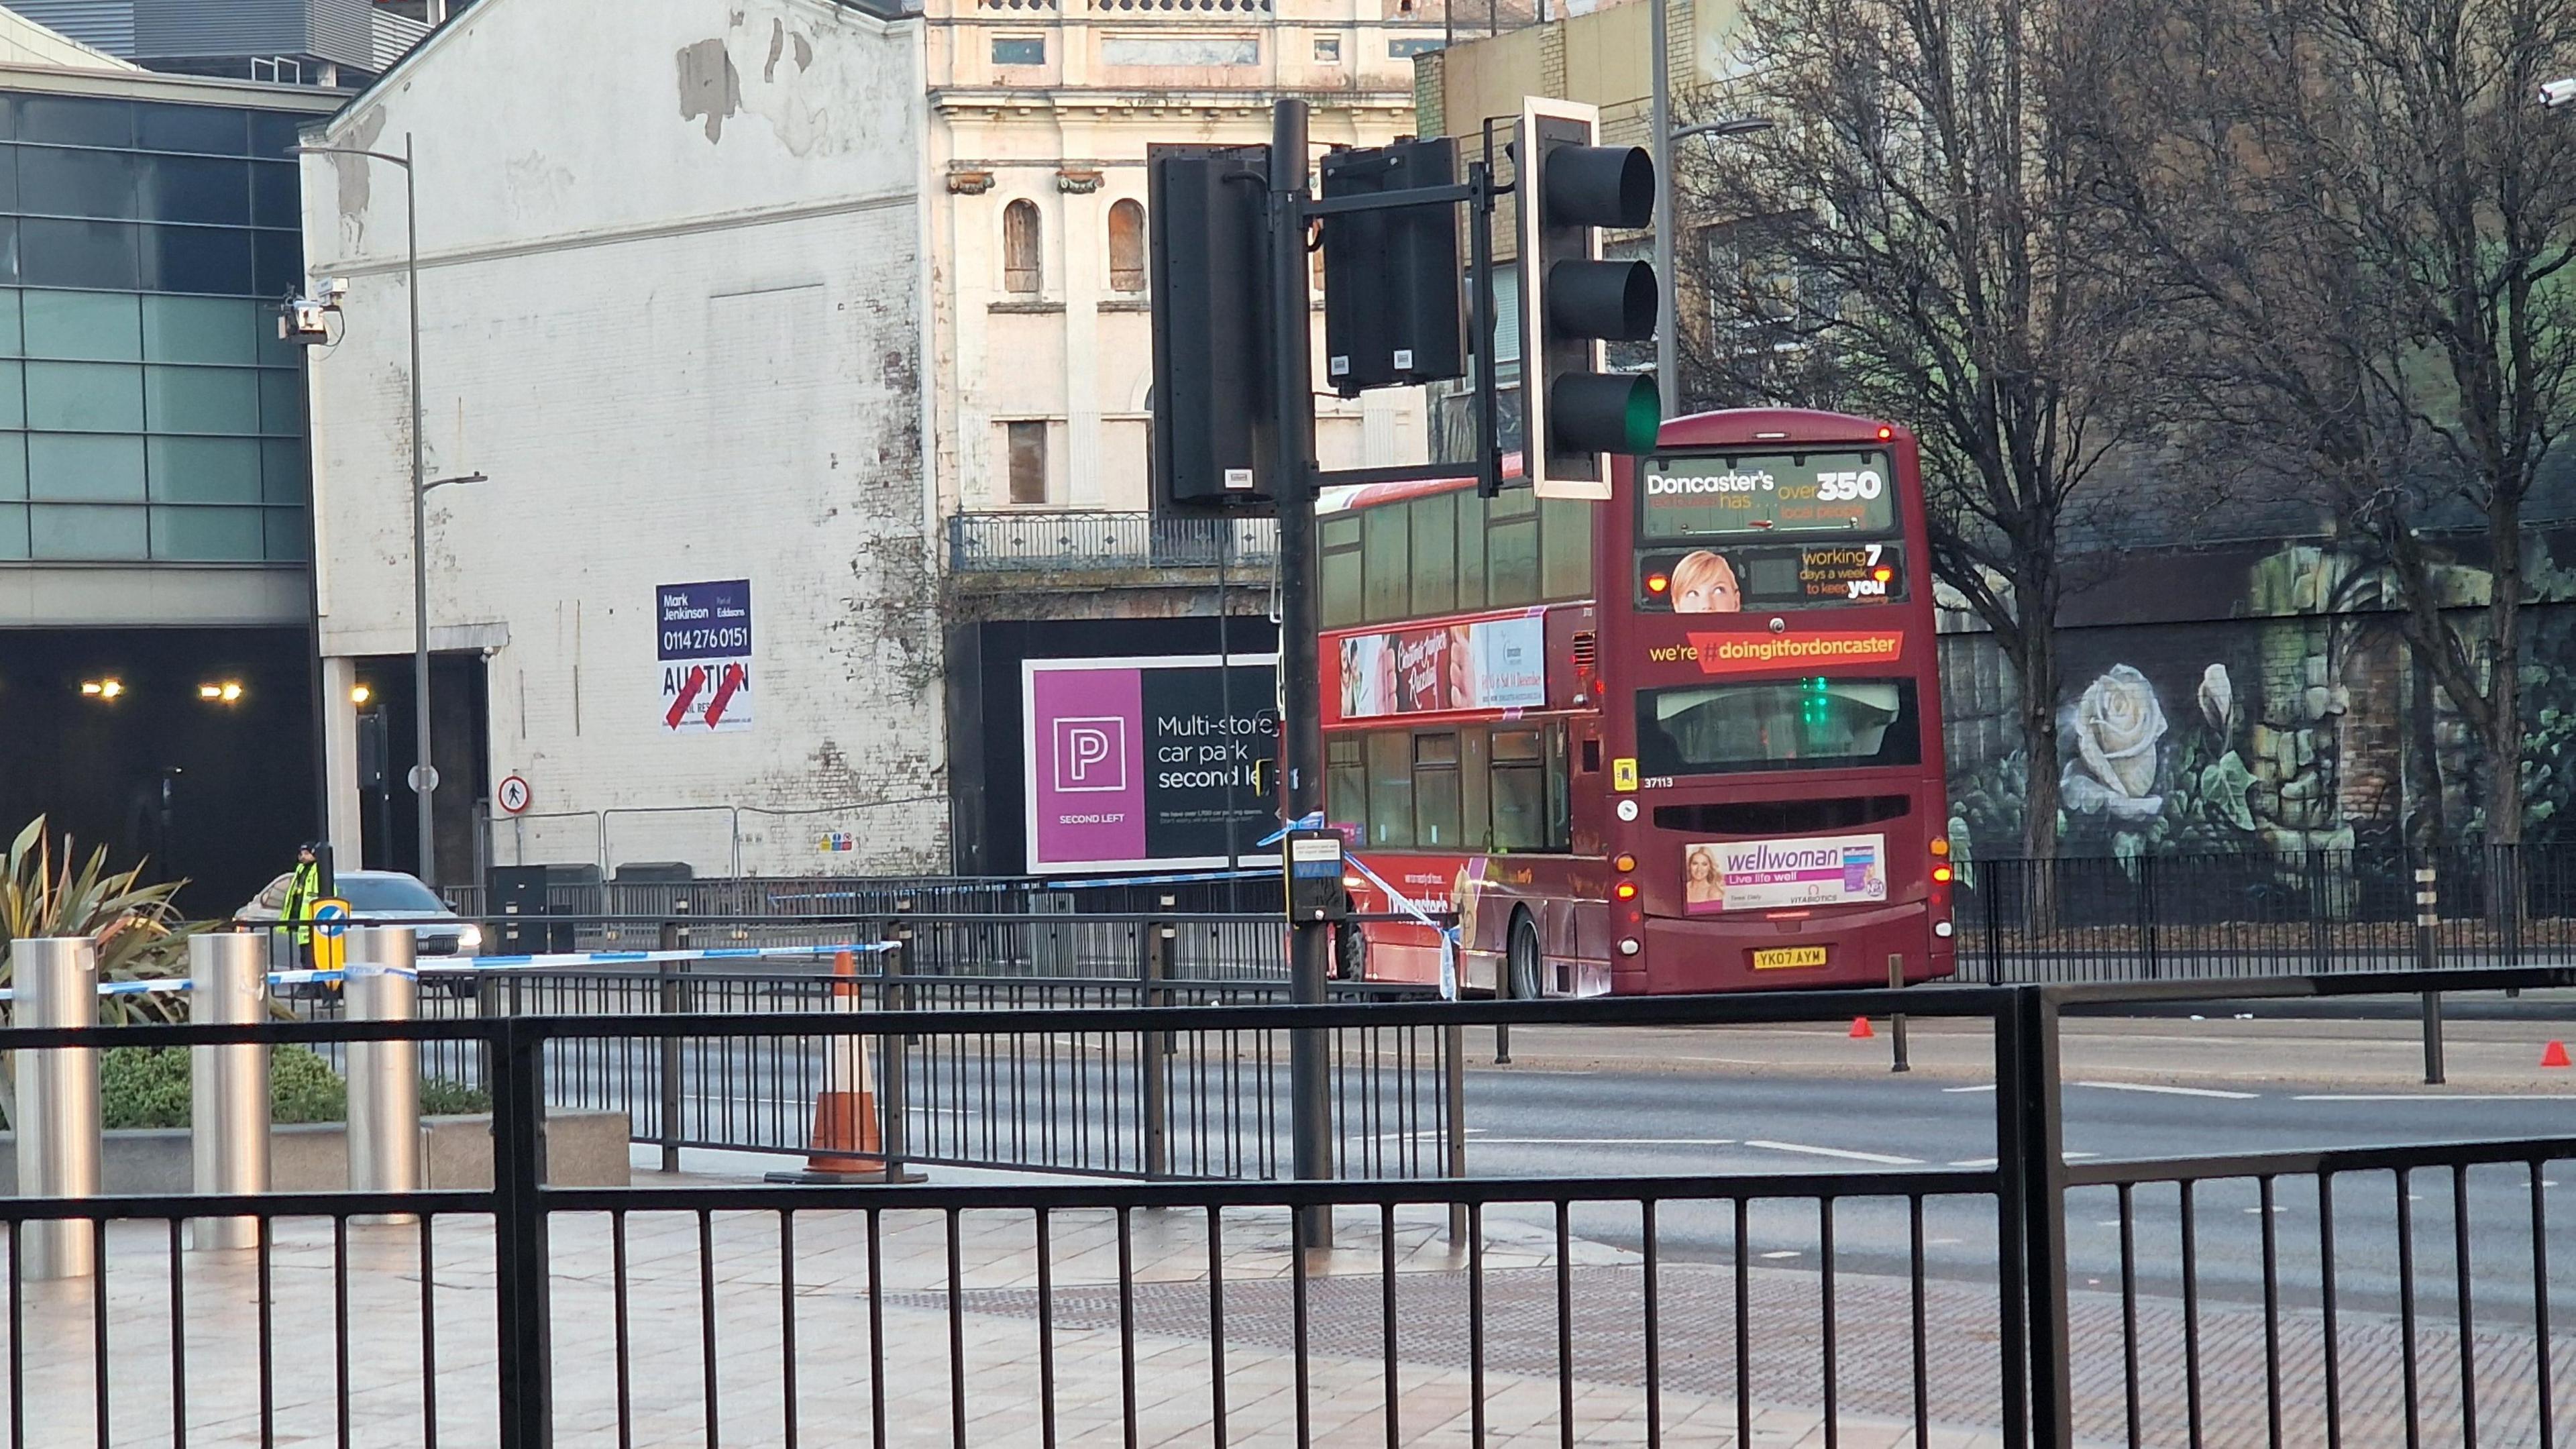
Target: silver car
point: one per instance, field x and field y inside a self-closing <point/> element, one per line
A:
<point x="387" y="897"/>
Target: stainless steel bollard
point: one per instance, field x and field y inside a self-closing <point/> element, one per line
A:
<point x="228" y="1085"/>
<point x="384" y="1076"/>
<point x="58" y="1142"/>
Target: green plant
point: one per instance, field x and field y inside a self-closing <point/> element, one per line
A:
<point x="440" y="1097"/>
<point x="137" y="931"/>
<point x="149" y="1087"/>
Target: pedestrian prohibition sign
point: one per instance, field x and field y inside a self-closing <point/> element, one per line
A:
<point x="330" y="927"/>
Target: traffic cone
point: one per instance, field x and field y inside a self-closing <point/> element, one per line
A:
<point x="846" y="1145"/>
<point x="2555" y="1055"/>
<point x="1860" y="1029"/>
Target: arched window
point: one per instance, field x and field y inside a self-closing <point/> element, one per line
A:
<point x="1023" y="247"/>
<point x="1126" y="247"/>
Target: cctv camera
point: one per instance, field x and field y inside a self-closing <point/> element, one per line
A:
<point x="335" y="290"/>
<point x="2558" y="92"/>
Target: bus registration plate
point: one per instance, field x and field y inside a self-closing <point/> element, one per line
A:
<point x="1784" y="957"/>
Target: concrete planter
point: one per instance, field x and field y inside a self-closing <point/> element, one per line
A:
<point x="583" y="1149"/>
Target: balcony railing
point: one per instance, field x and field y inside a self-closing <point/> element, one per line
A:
<point x="1084" y="541"/>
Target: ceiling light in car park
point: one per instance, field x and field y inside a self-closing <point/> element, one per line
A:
<point x="360" y="694"/>
<point x="102" y="688"/>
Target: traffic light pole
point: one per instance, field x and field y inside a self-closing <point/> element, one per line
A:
<point x="1301" y="714"/>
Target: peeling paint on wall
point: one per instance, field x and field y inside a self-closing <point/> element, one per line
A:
<point x="709" y="86"/>
<point x="356" y="177"/>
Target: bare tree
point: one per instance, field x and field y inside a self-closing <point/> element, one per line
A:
<point x="1916" y="240"/>
<point x="2363" y="217"/>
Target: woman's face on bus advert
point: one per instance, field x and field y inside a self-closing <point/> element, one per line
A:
<point x="1704" y="583"/>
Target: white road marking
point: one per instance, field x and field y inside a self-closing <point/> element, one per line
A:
<point x="2169" y="1091"/>
<point x="2437" y="1097"/>
<point x="2276" y="1207"/>
<point x="1991" y="1162"/>
<point x="1844" y="1153"/>
<point x="1988" y="1087"/>
<point x="1783" y="1253"/>
<point x="1942" y="1242"/>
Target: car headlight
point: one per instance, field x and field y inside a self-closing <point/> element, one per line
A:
<point x="470" y="938"/>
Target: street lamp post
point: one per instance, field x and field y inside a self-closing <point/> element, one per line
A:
<point x="1668" y="378"/>
<point x="424" y="777"/>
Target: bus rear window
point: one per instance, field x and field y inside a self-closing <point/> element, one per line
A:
<point x="1777" y="724"/>
<point x="1681" y="497"/>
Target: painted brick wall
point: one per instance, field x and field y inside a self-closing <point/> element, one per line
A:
<point x="675" y="315"/>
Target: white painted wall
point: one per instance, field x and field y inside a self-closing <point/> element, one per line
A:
<point x="1079" y="356"/>
<point x="672" y="305"/>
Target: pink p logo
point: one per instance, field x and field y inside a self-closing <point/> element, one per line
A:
<point x="1090" y="754"/>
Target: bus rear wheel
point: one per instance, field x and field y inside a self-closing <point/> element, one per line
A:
<point x="1521" y="960"/>
<point x="1350" y="952"/>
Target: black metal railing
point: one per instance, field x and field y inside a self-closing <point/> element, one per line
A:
<point x="2143" y="918"/>
<point x="1055" y="540"/>
<point x="1207" y="1104"/>
<point x="2415" y="1302"/>
<point x="2162" y="917"/>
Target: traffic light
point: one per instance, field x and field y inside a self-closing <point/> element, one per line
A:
<point x="1209" y="249"/>
<point x="1572" y="301"/>
<point x="1391" y="279"/>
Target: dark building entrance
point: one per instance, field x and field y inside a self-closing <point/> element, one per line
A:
<point x="387" y="810"/>
<point x="188" y="750"/>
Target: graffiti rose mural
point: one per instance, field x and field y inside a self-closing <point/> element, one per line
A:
<point x="2288" y="717"/>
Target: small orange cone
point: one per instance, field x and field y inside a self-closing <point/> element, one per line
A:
<point x="1860" y="1029"/>
<point x="845" y="1141"/>
<point x="2555" y="1055"/>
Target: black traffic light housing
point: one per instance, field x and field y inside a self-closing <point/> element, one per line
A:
<point x="1573" y="301"/>
<point x="1209" y="268"/>
<point x="1392" y="287"/>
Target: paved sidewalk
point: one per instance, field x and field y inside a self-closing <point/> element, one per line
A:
<point x="671" y="1291"/>
<point x="2480" y="1055"/>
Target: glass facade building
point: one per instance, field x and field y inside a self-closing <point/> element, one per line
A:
<point x="148" y="411"/>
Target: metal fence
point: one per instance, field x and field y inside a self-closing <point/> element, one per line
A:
<point x="2419" y="1305"/>
<point x="2155" y="917"/>
<point x="1209" y="1103"/>
<point x="1069" y="539"/>
<point x="2145" y="918"/>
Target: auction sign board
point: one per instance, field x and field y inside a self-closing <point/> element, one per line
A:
<point x="703" y="646"/>
<point x="1140" y="763"/>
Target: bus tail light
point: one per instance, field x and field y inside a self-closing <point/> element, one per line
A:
<point x="1628" y="946"/>
<point x="1941" y="875"/>
<point x="1624" y="864"/>
<point x="1626" y="890"/>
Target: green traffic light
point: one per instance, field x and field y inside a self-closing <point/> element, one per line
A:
<point x="1645" y="417"/>
<point x="1596" y="412"/>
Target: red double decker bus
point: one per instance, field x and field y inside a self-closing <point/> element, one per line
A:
<point x="1687" y="739"/>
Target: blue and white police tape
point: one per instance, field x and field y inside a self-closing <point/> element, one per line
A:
<point x="630" y="958"/>
<point x="1404" y="904"/>
<point x="1311" y="820"/>
<point x="168" y="985"/>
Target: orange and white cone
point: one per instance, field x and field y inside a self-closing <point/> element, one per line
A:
<point x="846" y="1145"/>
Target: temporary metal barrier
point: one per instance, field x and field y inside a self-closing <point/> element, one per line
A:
<point x="58" y="1123"/>
<point x="228" y="1085"/>
<point x="384" y="1076"/>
